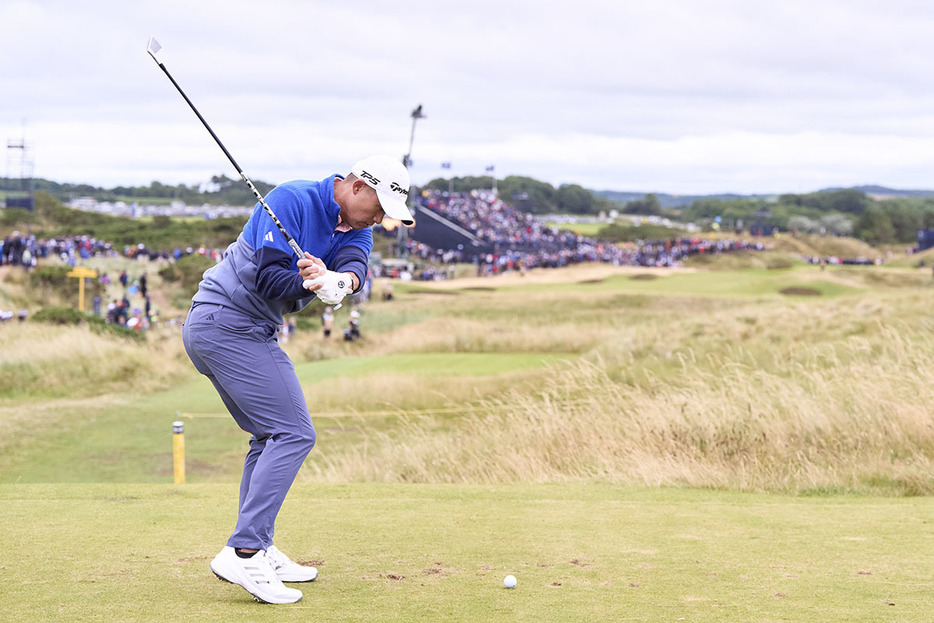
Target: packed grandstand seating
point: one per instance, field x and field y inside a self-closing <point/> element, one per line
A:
<point x="519" y="240"/>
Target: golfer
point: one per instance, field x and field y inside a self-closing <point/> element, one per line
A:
<point x="230" y="336"/>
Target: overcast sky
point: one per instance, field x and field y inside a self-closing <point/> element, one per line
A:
<point x="679" y="96"/>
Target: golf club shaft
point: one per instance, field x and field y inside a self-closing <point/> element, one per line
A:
<point x="294" y="245"/>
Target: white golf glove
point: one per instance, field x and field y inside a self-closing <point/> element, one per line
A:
<point x="335" y="287"/>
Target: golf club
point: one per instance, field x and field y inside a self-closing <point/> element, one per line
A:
<point x="153" y="49"/>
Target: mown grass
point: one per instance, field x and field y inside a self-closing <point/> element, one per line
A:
<point x="412" y="553"/>
<point x="582" y="229"/>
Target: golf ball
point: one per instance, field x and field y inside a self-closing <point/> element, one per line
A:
<point x="510" y="581"/>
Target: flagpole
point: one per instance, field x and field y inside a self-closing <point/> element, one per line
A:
<point x="447" y="165"/>
<point x="403" y="233"/>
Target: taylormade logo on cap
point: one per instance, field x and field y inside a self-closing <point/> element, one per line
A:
<point x="390" y="179"/>
<point x="393" y="186"/>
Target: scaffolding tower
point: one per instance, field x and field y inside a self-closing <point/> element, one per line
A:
<point x="19" y="189"/>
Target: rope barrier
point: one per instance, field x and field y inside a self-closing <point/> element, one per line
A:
<point x="384" y="413"/>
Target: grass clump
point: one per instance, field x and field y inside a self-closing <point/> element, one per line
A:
<point x="42" y="360"/>
<point x="70" y="316"/>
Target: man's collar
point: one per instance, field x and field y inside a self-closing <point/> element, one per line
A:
<point x="341" y="226"/>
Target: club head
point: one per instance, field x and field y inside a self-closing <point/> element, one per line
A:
<point x="153" y="48"/>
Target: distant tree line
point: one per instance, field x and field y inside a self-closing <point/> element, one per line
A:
<point x="846" y="212"/>
<point x="839" y="212"/>
<point x="161" y="233"/>
<point x="222" y="190"/>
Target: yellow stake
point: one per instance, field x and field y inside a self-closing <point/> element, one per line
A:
<point x="178" y="451"/>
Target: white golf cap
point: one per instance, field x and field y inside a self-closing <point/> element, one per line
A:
<point x="389" y="177"/>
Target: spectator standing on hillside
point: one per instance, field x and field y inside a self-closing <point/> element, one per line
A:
<point x="120" y="313"/>
<point x="352" y="332"/>
<point x="15" y="246"/>
<point x="230" y="336"/>
<point x="327" y="321"/>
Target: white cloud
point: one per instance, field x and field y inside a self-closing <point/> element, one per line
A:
<point x="674" y="95"/>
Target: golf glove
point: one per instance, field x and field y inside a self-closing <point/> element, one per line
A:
<point x="335" y="287"/>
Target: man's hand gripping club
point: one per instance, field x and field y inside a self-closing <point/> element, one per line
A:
<point x="331" y="287"/>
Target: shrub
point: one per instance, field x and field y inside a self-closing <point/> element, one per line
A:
<point x="49" y="276"/>
<point x="187" y="271"/>
<point x="59" y="315"/>
<point x="71" y="316"/>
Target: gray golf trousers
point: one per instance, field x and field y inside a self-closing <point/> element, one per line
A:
<point x="257" y="382"/>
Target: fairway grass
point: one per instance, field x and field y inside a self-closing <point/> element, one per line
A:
<point x="581" y="552"/>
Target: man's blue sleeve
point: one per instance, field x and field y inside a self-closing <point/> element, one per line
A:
<point x="275" y="281"/>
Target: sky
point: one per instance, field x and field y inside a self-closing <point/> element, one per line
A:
<point x="674" y="96"/>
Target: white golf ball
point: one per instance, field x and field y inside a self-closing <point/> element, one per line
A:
<point x="510" y="581"/>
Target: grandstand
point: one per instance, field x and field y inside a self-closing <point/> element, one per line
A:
<point x="925" y="239"/>
<point x="434" y="229"/>
<point x="480" y="228"/>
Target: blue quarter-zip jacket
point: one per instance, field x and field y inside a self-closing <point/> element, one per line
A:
<point x="259" y="273"/>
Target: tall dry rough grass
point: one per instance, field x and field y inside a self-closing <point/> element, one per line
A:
<point x="42" y="360"/>
<point x="51" y="374"/>
<point x="797" y="398"/>
<point x="509" y="335"/>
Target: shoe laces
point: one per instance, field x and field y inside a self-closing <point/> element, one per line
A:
<point x="276" y="558"/>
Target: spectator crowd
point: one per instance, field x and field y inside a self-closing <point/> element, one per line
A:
<point x="521" y="241"/>
<point x="515" y="241"/>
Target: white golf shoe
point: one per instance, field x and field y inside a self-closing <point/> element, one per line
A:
<point x="255" y="574"/>
<point x="288" y="571"/>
